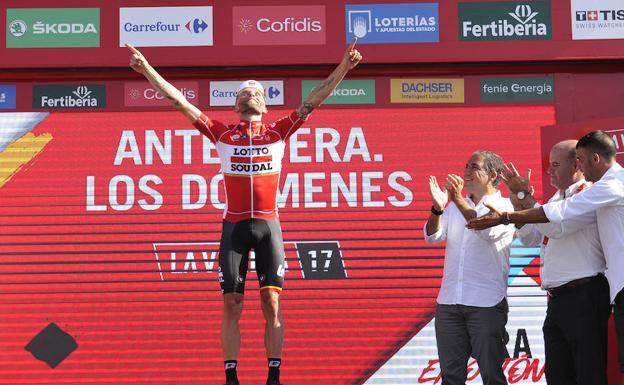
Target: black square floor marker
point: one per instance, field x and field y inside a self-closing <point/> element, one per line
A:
<point x="52" y="345"/>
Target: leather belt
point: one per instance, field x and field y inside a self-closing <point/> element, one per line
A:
<point x="565" y="288"/>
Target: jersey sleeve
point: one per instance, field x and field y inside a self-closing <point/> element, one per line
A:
<point x="287" y="125"/>
<point x="210" y="128"/>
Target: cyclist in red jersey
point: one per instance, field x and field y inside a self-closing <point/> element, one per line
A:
<point x="251" y="156"/>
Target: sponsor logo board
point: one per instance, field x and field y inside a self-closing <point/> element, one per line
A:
<point x="279" y="25"/>
<point x="166" y="26"/>
<point x="223" y="93"/>
<point x="427" y="90"/>
<point x="52" y="27"/>
<point x="69" y="96"/>
<point x="597" y="19"/>
<point x="347" y="92"/>
<point x="512" y="20"/>
<point x="392" y="23"/>
<point x="8" y="95"/>
<point x="143" y="94"/>
<point x="517" y="89"/>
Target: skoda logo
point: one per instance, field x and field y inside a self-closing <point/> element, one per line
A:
<point x="18" y="28"/>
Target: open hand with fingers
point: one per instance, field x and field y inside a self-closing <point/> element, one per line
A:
<point x="138" y="62"/>
<point x="438" y="196"/>
<point x="514" y="181"/>
<point x="454" y="184"/>
<point x="491" y="219"/>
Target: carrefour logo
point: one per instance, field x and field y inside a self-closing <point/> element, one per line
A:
<point x="223" y="93"/>
<point x="197" y="26"/>
<point x="392" y="23"/>
<point x="166" y="26"/>
<point x="272" y="93"/>
<point x="505" y="20"/>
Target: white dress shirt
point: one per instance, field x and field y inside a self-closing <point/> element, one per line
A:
<point x="476" y="263"/>
<point x="606" y="198"/>
<point x="568" y="250"/>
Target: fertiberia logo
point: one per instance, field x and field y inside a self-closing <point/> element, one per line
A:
<point x="505" y="21"/>
<point x="69" y="96"/>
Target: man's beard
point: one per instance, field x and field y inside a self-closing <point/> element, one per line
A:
<point x="250" y="108"/>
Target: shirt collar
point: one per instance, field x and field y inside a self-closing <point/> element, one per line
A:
<point x="253" y="127"/>
<point x="573" y="187"/>
<point x="488" y="198"/>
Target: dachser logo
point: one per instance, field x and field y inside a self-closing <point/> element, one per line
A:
<point x="277" y="25"/>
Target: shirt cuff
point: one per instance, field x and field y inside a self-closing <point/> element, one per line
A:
<point x="433" y="238"/>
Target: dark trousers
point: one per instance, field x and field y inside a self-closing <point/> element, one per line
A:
<point x="618" y="314"/>
<point x="575" y="335"/>
<point x="464" y="331"/>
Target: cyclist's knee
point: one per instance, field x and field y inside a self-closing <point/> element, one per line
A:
<point x="233" y="305"/>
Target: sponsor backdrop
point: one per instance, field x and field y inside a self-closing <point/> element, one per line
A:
<point x="238" y="33"/>
<point x="602" y="19"/>
<point x="111" y="222"/>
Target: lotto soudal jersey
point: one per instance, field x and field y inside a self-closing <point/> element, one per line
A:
<point x="251" y="160"/>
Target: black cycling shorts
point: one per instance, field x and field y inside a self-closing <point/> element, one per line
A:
<point x="237" y="239"/>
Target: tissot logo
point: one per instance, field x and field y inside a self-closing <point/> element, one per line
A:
<point x="597" y="19"/>
<point x="69" y="96"/>
<point x="600" y="15"/>
<point x="279" y="25"/>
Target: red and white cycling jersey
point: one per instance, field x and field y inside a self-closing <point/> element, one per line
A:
<point x="251" y="160"/>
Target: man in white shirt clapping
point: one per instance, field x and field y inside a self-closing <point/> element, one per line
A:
<point x="472" y="307"/>
<point x="596" y="152"/>
<point x="572" y="267"/>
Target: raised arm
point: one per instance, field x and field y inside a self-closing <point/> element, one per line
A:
<point x="322" y="91"/>
<point x="139" y="63"/>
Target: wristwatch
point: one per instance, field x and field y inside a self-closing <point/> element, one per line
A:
<point x="523" y="194"/>
<point x="505" y="220"/>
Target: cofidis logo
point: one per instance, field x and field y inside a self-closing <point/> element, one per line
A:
<point x="392" y="23"/>
<point x="143" y="94"/>
<point x="288" y="25"/>
<point x="427" y="90"/>
<point x="53" y="27"/>
<point x="166" y="26"/>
